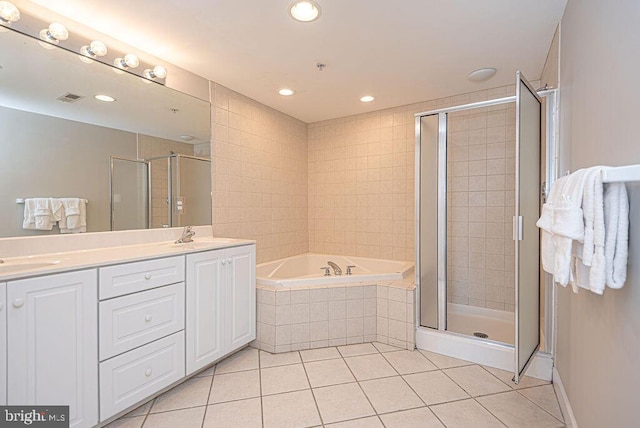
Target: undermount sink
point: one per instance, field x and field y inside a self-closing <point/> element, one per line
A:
<point x="17" y="266"/>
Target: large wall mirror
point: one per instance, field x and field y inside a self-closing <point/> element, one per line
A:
<point x="140" y="161"/>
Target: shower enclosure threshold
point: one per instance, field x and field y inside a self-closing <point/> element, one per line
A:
<point x="480" y="351"/>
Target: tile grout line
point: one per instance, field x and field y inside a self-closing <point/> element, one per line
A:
<point x="206" y="407"/>
<point x="358" y="381"/>
<point x="537" y="405"/>
<point x="311" y="389"/>
<point x="413" y="390"/>
<point x="260" y="388"/>
<point x="146" y="415"/>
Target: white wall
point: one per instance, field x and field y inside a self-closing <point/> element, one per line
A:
<point x="598" y="342"/>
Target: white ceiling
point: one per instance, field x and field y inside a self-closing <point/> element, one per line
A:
<point x="398" y="51"/>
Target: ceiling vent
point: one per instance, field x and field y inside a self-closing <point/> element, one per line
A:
<point x="69" y="98"/>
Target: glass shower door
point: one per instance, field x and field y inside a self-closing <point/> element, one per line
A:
<point x="190" y="190"/>
<point x="525" y="233"/>
<point x="129" y="182"/>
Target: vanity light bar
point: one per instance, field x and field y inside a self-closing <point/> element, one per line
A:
<point x="54" y="33"/>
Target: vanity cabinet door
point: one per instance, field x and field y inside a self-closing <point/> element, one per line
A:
<point x="3" y="343"/>
<point x="241" y="296"/>
<point x="204" y="297"/>
<point x="53" y="343"/>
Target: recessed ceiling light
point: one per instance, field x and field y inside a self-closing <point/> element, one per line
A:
<point x="105" y="98"/>
<point x="367" y="99"/>
<point x="482" y="74"/>
<point x="286" y="92"/>
<point x="305" y="11"/>
<point x="187" y="137"/>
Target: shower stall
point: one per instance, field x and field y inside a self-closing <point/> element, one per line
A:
<point x="481" y="173"/>
<point x="165" y="191"/>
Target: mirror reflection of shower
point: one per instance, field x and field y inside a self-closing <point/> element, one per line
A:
<point x="164" y="191"/>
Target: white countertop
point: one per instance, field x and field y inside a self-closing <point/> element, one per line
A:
<point x="44" y="264"/>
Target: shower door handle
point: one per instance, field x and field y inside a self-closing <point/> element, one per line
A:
<point x="517" y="228"/>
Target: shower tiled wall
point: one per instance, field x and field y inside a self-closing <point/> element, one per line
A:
<point x="259" y="158"/>
<point x="480" y="204"/>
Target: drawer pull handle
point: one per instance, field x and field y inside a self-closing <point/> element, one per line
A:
<point x="148" y="317"/>
<point x="148" y="372"/>
<point x="18" y="303"/>
<point x="147" y="276"/>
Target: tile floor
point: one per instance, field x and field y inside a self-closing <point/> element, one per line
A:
<point x="366" y="385"/>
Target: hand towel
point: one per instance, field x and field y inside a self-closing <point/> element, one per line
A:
<point x="616" y="246"/>
<point x="75" y="216"/>
<point x="37" y="214"/>
<point x="594" y="235"/>
<point x="29" y="221"/>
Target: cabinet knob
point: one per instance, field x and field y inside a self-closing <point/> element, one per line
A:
<point x="224" y="262"/>
<point x="147" y="276"/>
<point x="18" y="303"/>
<point x="148" y="317"/>
<point x="148" y="372"/>
<point x="230" y="261"/>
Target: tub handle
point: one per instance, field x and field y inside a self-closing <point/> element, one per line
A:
<point x="349" y="269"/>
<point x="327" y="270"/>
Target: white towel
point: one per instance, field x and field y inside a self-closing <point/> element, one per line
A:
<point x="562" y="224"/>
<point x="616" y="246"/>
<point x="74" y="219"/>
<point x="38" y="214"/>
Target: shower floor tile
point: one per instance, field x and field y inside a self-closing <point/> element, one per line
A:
<point x="385" y="387"/>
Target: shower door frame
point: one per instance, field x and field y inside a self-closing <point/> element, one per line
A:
<point x="170" y="174"/>
<point x="149" y="209"/>
<point x="550" y="157"/>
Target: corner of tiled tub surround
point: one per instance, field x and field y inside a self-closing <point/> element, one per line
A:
<point x="291" y="319"/>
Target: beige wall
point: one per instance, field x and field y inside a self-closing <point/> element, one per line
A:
<point x="44" y="156"/>
<point x="598" y="341"/>
<point x="259" y="158"/>
<point x="481" y="187"/>
<point x="550" y="71"/>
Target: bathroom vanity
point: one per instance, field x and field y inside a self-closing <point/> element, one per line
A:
<point x="104" y="330"/>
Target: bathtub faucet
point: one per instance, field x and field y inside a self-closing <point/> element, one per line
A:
<point x="335" y="267"/>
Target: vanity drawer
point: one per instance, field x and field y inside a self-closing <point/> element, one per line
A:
<point x="133" y="277"/>
<point x="137" y="319"/>
<point x="134" y="376"/>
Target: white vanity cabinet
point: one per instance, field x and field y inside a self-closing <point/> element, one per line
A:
<point x="221" y="304"/>
<point x="3" y="343"/>
<point x="52" y="343"/>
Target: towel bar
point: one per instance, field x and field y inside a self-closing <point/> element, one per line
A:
<point x="21" y="201"/>
<point x="618" y="174"/>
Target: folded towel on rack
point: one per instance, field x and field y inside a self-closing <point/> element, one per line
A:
<point x="616" y="246"/>
<point x="38" y="214"/>
<point x="74" y="219"/>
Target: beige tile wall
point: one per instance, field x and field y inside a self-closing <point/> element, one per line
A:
<point x="259" y="158"/>
<point x="361" y="180"/>
<point x="481" y="183"/>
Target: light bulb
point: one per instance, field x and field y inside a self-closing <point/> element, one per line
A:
<point x="95" y="49"/>
<point x="8" y="13"/>
<point x="158" y="72"/>
<point x="305" y="11"/>
<point x="54" y="33"/>
<point x="129" y="61"/>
